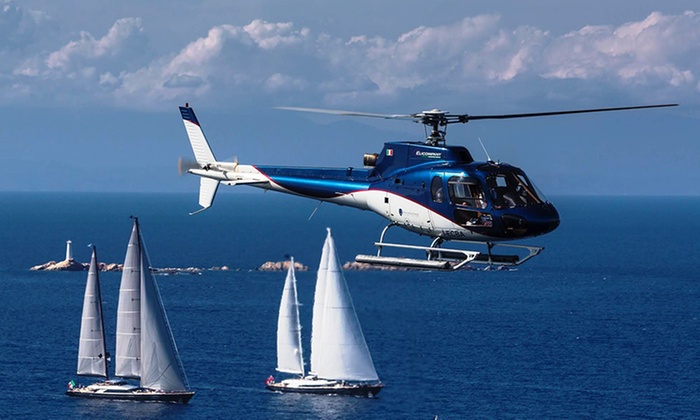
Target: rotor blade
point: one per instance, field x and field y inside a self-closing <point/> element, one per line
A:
<point x="466" y="118"/>
<point x="345" y="113"/>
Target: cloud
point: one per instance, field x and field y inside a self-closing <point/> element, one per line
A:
<point x="660" y="50"/>
<point x="81" y="71"/>
<point x="259" y="60"/>
<point x="229" y="61"/>
<point x="272" y="35"/>
<point x="19" y="28"/>
<point x="119" y="40"/>
<point x="184" y="81"/>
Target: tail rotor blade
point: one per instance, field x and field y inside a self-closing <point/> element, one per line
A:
<point x="184" y="165"/>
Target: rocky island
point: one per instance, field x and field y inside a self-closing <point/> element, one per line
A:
<point x="69" y="264"/>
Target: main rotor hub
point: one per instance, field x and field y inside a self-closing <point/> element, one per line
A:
<point x="434" y="118"/>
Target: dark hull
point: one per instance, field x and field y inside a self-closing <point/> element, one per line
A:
<point x="171" y="397"/>
<point x="363" y="390"/>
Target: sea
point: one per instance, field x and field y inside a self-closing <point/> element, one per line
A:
<point x="604" y="323"/>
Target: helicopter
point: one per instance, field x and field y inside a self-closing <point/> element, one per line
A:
<point x="426" y="187"/>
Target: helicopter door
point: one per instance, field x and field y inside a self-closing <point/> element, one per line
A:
<point x="438" y="202"/>
<point x="406" y="208"/>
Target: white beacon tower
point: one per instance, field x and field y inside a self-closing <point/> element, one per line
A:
<point x="69" y="250"/>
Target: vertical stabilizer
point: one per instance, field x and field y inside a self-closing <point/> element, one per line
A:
<point x="200" y="145"/>
<point x="203" y="155"/>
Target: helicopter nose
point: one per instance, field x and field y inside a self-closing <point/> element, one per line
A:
<point x="544" y="220"/>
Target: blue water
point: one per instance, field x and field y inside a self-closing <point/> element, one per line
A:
<point x="604" y="323"/>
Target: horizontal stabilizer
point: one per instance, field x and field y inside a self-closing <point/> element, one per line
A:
<point x="207" y="192"/>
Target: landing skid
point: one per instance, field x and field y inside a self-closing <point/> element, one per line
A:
<point x="439" y="258"/>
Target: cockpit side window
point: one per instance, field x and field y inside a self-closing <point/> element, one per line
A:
<point x="466" y="192"/>
<point x="436" y="190"/>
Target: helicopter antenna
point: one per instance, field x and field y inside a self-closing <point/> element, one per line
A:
<point x="485" y="151"/>
<point x="315" y="210"/>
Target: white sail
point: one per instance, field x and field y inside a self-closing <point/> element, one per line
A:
<point x="319" y="298"/>
<point x="128" y="354"/>
<point x="342" y="351"/>
<point x="92" y="352"/>
<point x="161" y="368"/>
<point x="290" y="358"/>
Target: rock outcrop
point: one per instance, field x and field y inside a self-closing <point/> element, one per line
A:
<point x="65" y="265"/>
<point x="281" y="266"/>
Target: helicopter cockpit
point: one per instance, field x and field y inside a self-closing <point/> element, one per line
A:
<point x="509" y="189"/>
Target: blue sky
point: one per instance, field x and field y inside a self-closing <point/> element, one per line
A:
<point x="89" y="90"/>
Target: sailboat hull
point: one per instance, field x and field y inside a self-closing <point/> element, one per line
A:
<point x="325" y="387"/>
<point x="129" y="392"/>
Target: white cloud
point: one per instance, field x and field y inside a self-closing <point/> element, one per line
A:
<point x="279" y="82"/>
<point x="230" y="59"/>
<point x="272" y="35"/>
<point x="660" y="49"/>
<point x="88" y="49"/>
<point x="261" y="59"/>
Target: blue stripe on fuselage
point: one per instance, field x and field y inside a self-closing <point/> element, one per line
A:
<point x="318" y="182"/>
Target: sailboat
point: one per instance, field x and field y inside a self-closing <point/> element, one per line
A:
<point x="145" y="348"/>
<point x="340" y="359"/>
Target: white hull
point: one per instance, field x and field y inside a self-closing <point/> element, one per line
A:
<point x="120" y="390"/>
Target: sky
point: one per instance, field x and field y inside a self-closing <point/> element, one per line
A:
<point x="89" y="90"/>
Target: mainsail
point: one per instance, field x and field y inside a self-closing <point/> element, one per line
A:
<point x="128" y="357"/>
<point x="92" y="352"/>
<point x="318" y="309"/>
<point x="290" y="358"/>
<point x="161" y="367"/>
<point x="341" y="351"/>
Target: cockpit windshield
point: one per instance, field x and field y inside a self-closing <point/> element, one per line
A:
<point x="512" y="189"/>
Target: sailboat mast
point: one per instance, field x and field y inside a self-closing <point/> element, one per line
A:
<point x="99" y="306"/>
<point x="296" y="309"/>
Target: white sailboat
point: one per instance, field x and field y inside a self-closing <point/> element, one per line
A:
<point x="340" y="359"/>
<point x="146" y="350"/>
